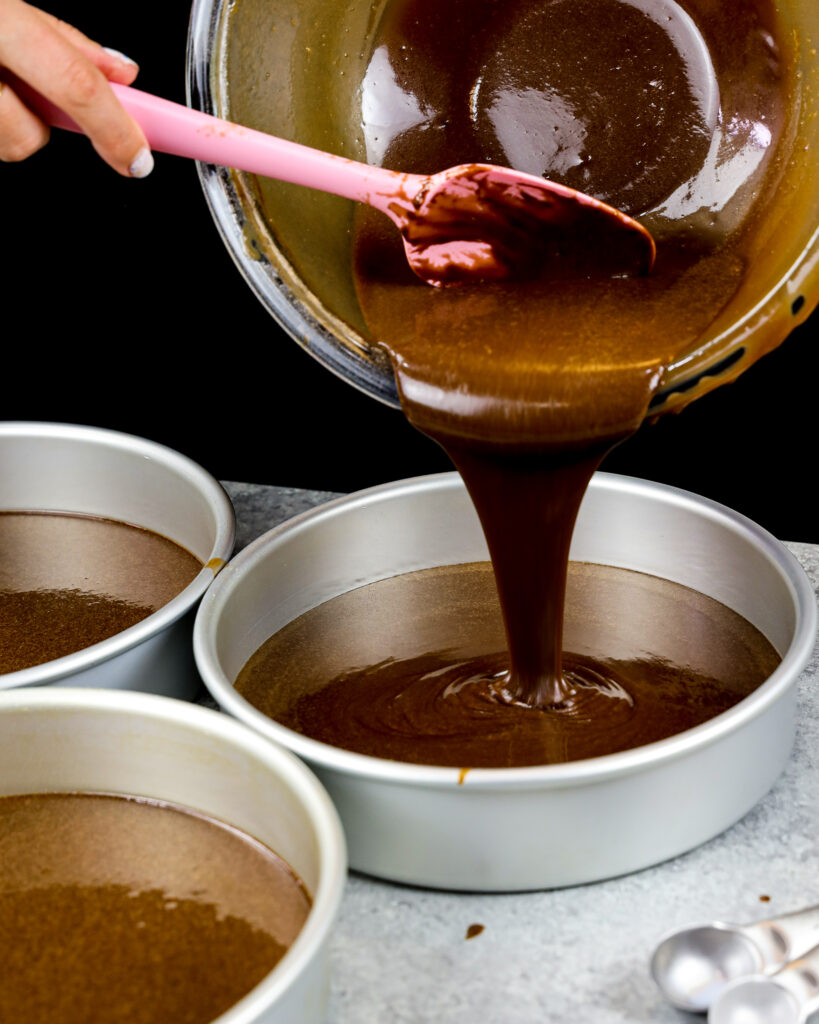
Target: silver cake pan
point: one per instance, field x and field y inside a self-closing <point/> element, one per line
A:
<point x="63" y="468"/>
<point x="536" y="827"/>
<point x="81" y="740"/>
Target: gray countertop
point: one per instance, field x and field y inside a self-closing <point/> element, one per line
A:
<point x="568" y="956"/>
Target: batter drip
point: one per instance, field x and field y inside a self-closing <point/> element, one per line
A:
<point x="528" y="385"/>
<point x="673" y="112"/>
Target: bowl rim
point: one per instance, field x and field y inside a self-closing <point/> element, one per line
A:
<point x="553" y="776"/>
<point x="208" y="487"/>
<point x="297" y="776"/>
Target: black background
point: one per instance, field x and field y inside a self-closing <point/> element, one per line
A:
<point x="121" y="308"/>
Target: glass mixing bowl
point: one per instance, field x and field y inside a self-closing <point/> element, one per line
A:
<point x="293" y="68"/>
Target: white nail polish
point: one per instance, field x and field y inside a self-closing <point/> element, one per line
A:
<point x="142" y="164"/>
<point x="119" y="55"/>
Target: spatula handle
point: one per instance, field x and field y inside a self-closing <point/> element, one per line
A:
<point x="173" y="128"/>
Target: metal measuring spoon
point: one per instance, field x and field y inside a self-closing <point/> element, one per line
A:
<point x="788" y="997"/>
<point x="692" y="966"/>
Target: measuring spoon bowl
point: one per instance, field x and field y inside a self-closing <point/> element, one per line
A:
<point x="756" y="1001"/>
<point x="691" y="966"/>
<point x="788" y="997"/>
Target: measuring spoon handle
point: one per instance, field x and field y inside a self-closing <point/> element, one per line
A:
<point x="787" y="937"/>
<point x="801" y="978"/>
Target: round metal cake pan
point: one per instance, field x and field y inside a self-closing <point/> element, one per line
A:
<point x="537" y="827"/>
<point x="63" y="468"/>
<point x="79" y="740"/>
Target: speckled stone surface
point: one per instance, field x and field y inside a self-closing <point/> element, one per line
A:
<point x="570" y="956"/>
<point x="260" y="508"/>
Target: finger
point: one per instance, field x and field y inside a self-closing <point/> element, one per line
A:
<point x="114" y="65"/>
<point x="42" y="56"/>
<point x="21" y="132"/>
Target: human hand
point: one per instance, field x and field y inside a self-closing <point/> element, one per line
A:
<point x="73" y="72"/>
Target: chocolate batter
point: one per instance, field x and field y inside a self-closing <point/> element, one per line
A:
<point x="122" y="910"/>
<point x="415" y="668"/>
<point x="528" y="385"/>
<point x="69" y="581"/>
<point x="672" y="113"/>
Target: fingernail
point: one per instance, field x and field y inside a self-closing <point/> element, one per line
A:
<point x="142" y="164"/>
<point x="119" y="55"/>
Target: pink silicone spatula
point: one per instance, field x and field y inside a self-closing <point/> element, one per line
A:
<point x="469" y="223"/>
